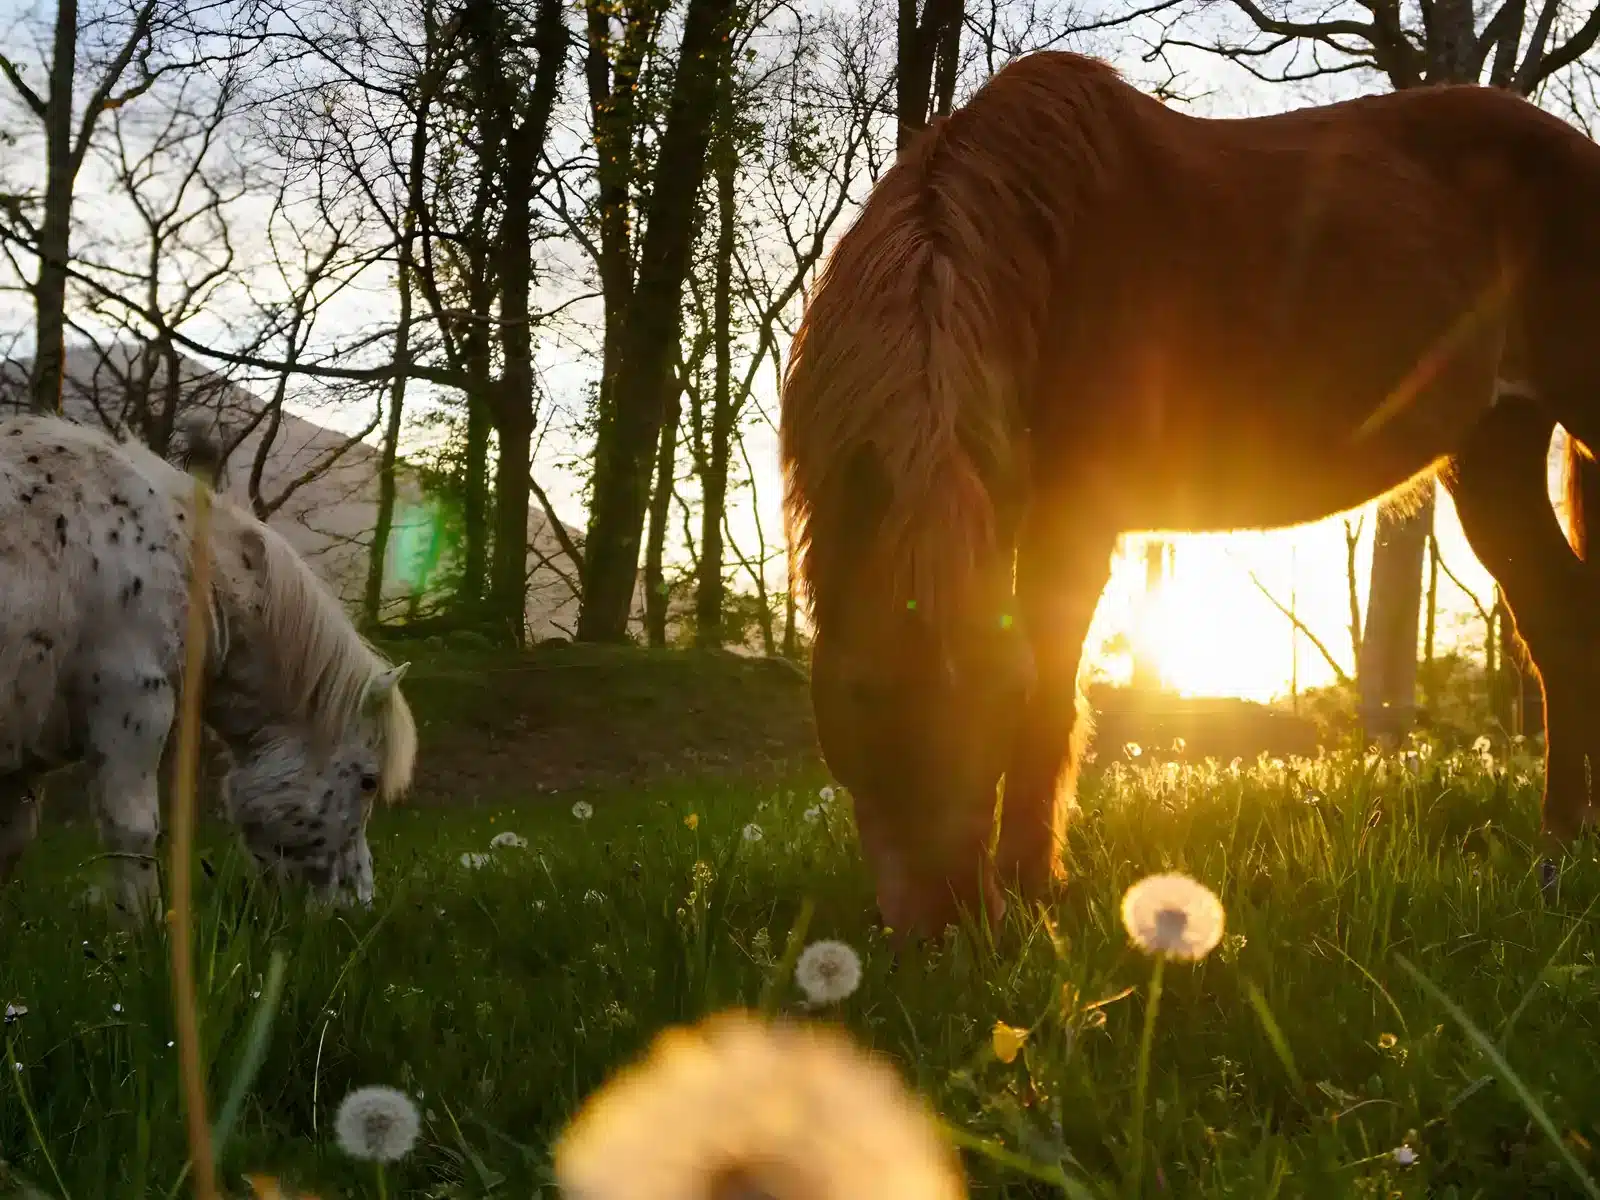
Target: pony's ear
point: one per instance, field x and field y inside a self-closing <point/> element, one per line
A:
<point x="253" y="550"/>
<point x="384" y="685"/>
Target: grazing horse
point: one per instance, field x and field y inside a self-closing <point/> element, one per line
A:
<point x="1069" y="311"/>
<point x="95" y="539"/>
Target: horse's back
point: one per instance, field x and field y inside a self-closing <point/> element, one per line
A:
<point x="91" y="573"/>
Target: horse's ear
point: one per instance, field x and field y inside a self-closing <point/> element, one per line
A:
<point x="253" y="550"/>
<point x="384" y="685"/>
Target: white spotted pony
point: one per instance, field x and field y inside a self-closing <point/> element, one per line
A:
<point x="94" y="578"/>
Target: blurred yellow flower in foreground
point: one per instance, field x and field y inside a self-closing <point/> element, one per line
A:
<point x="1007" y="1040"/>
<point x="736" y="1107"/>
<point x="692" y="820"/>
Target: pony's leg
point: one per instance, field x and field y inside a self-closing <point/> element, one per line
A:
<point x="1499" y="484"/>
<point x="128" y="724"/>
<point x="1063" y="564"/>
<point x="19" y="822"/>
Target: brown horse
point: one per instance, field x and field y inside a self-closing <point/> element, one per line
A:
<point x="1069" y="311"/>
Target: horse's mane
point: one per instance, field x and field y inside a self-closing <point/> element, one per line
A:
<point x="322" y="665"/>
<point x="319" y="663"/>
<point x="926" y="327"/>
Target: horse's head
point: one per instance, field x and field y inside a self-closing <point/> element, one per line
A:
<point x="917" y="699"/>
<point x="302" y="799"/>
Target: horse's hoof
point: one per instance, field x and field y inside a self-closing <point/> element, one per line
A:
<point x="1548" y="876"/>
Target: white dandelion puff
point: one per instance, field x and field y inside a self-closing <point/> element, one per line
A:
<point x="473" y="860"/>
<point x="739" y="1107"/>
<point x="828" y="972"/>
<point x="583" y="810"/>
<point x="1482" y="745"/>
<point x="1173" y="916"/>
<point x="752" y="832"/>
<point x="116" y="1008"/>
<point x="826" y="795"/>
<point x="15" y="1012"/>
<point x="508" y="839"/>
<point x="814" y="813"/>
<point x="377" y="1124"/>
<point x="1405" y="1156"/>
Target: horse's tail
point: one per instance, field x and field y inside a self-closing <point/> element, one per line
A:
<point x="1581" y="489"/>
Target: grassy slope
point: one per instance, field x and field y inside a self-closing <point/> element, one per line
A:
<point x="503" y="995"/>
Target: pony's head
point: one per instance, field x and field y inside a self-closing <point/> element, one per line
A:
<point x="301" y="799"/>
<point x="313" y="715"/>
<point x="919" y="675"/>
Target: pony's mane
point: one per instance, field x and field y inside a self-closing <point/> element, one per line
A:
<point x="323" y="667"/>
<point x="320" y="665"/>
<point x="926" y="327"/>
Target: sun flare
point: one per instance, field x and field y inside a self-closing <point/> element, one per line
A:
<point x="1217" y="623"/>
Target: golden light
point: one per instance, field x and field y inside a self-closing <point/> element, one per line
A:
<point x="1210" y="628"/>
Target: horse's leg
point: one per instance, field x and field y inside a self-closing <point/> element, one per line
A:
<point x="1063" y="564"/>
<point x="1501" y="492"/>
<point x="19" y="822"/>
<point x="127" y="731"/>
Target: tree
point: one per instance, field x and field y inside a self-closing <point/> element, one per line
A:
<point x="134" y="46"/>
<point x="629" y="420"/>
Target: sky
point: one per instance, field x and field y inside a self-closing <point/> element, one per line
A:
<point x="1212" y="631"/>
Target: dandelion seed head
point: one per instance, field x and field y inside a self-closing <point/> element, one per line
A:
<point x="508" y="839"/>
<point x="752" y="832"/>
<point x="473" y="860"/>
<point x="1405" y="1156"/>
<point x="738" y="1107"/>
<point x="1133" y="749"/>
<point x="826" y="795"/>
<point x="828" y="971"/>
<point x="376" y="1124"/>
<point x="812" y="814"/>
<point x="583" y="810"/>
<point x="1173" y="916"/>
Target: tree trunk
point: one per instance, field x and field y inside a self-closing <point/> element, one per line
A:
<point x="508" y="572"/>
<point x="937" y="36"/>
<point x="50" y="288"/>
<point x="1387" y="670"/>
<point x="655" y="581"/>
<point x="475" y="506"/>
<point x="378" y="556"/>
<point x="513" y="397"/>
<point x="714" y="479"/>
<point x="626" y="442"/>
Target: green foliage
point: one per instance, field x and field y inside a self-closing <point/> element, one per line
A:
<point x="1290" y="1063"/>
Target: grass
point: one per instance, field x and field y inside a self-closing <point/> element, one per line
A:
<point x="1392" y="976"/>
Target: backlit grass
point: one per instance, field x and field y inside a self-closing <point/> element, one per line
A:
<point x="1294" y="1061"/>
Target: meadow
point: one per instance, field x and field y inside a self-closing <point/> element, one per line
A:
<point x="499" y="985"/>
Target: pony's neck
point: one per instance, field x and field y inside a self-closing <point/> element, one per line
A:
<point x="240" y="702"/>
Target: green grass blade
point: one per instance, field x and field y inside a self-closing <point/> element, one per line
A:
<point x="1503" y="1068"/>
<point x="255" y="1052"/>
<point x="1269" y="1025"/>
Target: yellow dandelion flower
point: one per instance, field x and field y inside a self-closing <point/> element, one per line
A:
<point x="737" y="1106"/>
<point x="1007" y="1041"/>
<point x="692" y="821"/>
<point x="1173" y="916"/>
<point x="1387" y="1041"/>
